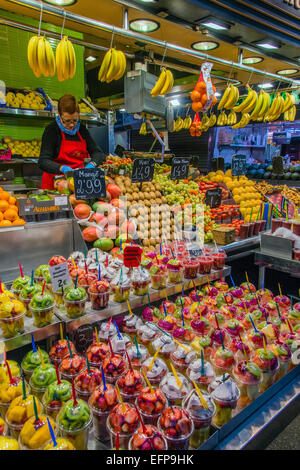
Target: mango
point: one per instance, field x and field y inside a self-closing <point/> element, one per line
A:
<point x="105" y="244"/>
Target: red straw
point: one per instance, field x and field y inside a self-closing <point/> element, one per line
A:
<point x="129" y="361"/>
<point x="43" y="288"/>
<point x="21" y="270"/>
<point x="289" y="325"/>
<point x="140" y="418"/>
<point x="86" y="269"/>
<point x="217" y="322"/>
<point x="74" y="393"/>
<point x="57" y="373"/>
<point x="106" y="261"/>
<point x="1" y="291"/>
<point x="108" y="324"/>
<point x="111" y="349"/>
<point x="12" y="381"/>
<point x="118" y="441"/>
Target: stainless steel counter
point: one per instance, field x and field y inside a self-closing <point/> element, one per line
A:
<point x="278" y="263"/>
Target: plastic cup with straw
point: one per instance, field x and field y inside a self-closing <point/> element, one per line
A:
<point x="69" y="347"/>
<point x="153" y="359"/>
<point x="138" y="354"/>
<point x="178" y="381"/>
<point x="37" y="419"/>
<point x="57" y="372"/>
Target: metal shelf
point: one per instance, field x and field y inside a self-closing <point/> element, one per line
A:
<point x="48" y="115"/>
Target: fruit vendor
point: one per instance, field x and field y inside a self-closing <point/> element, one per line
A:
<point x="66" y="144"/>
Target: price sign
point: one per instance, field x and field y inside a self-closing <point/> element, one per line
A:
<point x="143" y="170"/>
<point x="238" y="165"/>
<point x="277" y="163"/>
<point x="89" y="183"/>
<point x="213" y="197"/>
<point x="60" y="276"/>
<point x="180" y="168"/>
<point x="217" y="164"/>
<point x="194" y="250"/>
<point x="83" y="337"/>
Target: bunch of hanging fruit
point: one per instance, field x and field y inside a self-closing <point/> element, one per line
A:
<point x="199" y="96"/>
<point x="196" y="126"/>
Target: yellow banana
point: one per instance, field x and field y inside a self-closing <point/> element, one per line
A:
<point x="265" y="106"/>
<point x="32" y="54"/>
<point x="252" y="103"/>
<point x="169" y="82"/>
<point x="104" y="66"/>
<point x="159" y="84"/>
<point x="224" y="98"/>
<point x="42" y="57"/>
<point x="122" y="65"/>
<point x="212" y="120"/>
<point x="245" y="103"/>
<point x="113" y="68"/>
<point x="72" y="59"/>
<point x="50" y="59"/>
<point x="233" y="97"/>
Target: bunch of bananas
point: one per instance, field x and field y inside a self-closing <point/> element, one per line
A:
<point x="290" y="114"/>
<point x="248" y="104"/>
<point x="222" y="119"/>
<point x="164" y="83"/>
<point x="229" y="98"/>
<point x="262" y="106"/>
<point x="143" y="129"/>
<point x="243" y="122"/>
<point x="231" y="119"/>
<point x="113" y="66"/>
<point x="187" y="122"/>
<point x="276" y="109"/>
<point x="41" y="57"/>
<point x="65" y="59"/>
<point x="289" y="102"/>
<point x="208" y="122"/>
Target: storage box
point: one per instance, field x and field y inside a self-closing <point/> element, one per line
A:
<point x="224" y="235"/>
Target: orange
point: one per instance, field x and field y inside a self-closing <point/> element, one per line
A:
<point x="5" y="223"/>
<point x="204" y="98"/>
<point x="11" y="215"/>
<point x="3" y="205"/>
<point x="19" y="222"/>
<point x="12" y="200"/>
<point x="195" y="96"/>
<point x="13" y="207"/>
<point x="1" y="216"/>
<point x="4" y="196"/>
<point x="201" y="87"/>
<point x="196" y="107"/>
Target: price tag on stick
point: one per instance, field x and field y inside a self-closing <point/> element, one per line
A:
<point x="238" y="165"/>
<point x="60" y="276"/>
<point x="143" y="170"/>
<point x="89" y="183"/>
<point x="213" y="197"/>
<point x="180" y="168"/>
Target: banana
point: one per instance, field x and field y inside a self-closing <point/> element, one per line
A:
<point x="169" y="82"/>
<point x="252" y="103"/>
<point x="62" y="60"/>
<point x="265" y="107"/>
<point x="72" y="59"/>
<point x="42" y="57"/>
<point x="231" y="118"/>
<point x="233" y="97"/>
<point x="104" y="66"/>
<point x="225" y="97"/>
<point x="159" y="84"/>
<point x="292" y="113"/>
<point x="143" y="129"/>
<point x="113" y="68"/>
<point x="246" y="102"/>
<point x="258" y="105"/>
<point x="50" y="59"/>
<point x="122" y="65"/>
<point x="288" y="102"/>
<point x="32" y="54"/>
<point x="212" y="120"/>
<point x="243" y="122"/>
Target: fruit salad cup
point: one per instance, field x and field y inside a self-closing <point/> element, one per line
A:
<point x="268" y="362"/>
<point x="12" y="315"/>
<point x="40" y="272"/>
<point x="219" y="260"/>
<point x="130" y="323"/>
<point x="205" y="264"/>
<point x="147" y="437"/>
<point x="175" y="271"/>
<point x="130" y="384"/>
<point x="225" y="397"/>
<point x="120" y="343"/>
<point x="158" y="277"/>
<point x="202" y="375"/>
<point x="201" y="416"/>
<point x="61" y="444"/>
<point x="74" y="422"/>
<point x="85" y="281"/>
<point x="70" y="367"/>
<point x="19" y="411"/>
<point x="41" y="377"/>
<point x="8" y="443"/>
<point x="284" y="355"/>
<point x="150" y="404"/>
<point x="146" y="334"/>
<point x="157" y="371"/>
<point x="140" y="281"/>
<point x="222" y="286"/>
<point x="99" y="294"/>
<point x="152" y="314"/>
<point x="183" y="334"/>
<point x="19" y="283"/>
<point x="190" y="268"/>
<point x="26" y="295"/>
<point x="166" y="347"/>
<point x="234" y="328"/>
<point x="238" y="347"/>
<point x="201" y="327"/>
<point x="216" y="337"/>
<point x="283" y="302"/>
<point x="101" y="403"/>
<point x="203" y="343"/>
<point x="137" y="356"/>
<point x="75" y="300"/>
<point x="55" y="396"/>
<point x="120" y="286"/>
<point x="8" y="392"/>
<point x="168" y="323"/>
<point x="222" y="360"/>
<point x="86" y="382"/>
<point x="59" y="350"/>
<point x="32" y="360"/>
<point x="255" y="339"/>
<point x="35" y="434"/>
<point x="175" y="392"/>
<point x="248" y="377"/>
<point x="96" y="353"/>
<point x="182" y="357"/>
<point x="42" y="308"/>
<point x="114" y="367"/>
<point x="107" y="330"/>
<point x="123" y="420"/>
<point x="3" y="428"/>
<point x="177" y="427"/>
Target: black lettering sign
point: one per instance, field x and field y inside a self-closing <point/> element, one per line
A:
<point x="143" y="170"/>
<point x="213" y="197"/>
<point x="238" y="165"/>
<point x="89" y="183"/>
<point x="83" y="337"/>
<point x="180" y="168"/>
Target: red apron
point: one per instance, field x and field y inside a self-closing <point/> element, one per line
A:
<point x="72" y="153"/>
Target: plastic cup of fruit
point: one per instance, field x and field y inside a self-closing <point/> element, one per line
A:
<point x="225" y="407"/>
<point x="31" y="361"/>
<point x="146" y="334"/>
<point x="34" y="436"/>
<point x="4" y="429"/>
<point x="159" y="279"/>
<point x="130" y="324"/>
<point x="219" y="260"/>
<point x="151" y="404"/>
<point x="121" y="294"/>
<point x="244" y="230"/>
<point x="190" y="268"/>
<point x="256" y="229"/>
<point x="96" y="353"/>
<point x="53" y="401"/>
<point x="175" y="272"/>
<point x="268" y="375"/>
<point x="203" y="376"/>
<point x="125" y="423"/>
<point x="15" y="426"/>
<point x="130" y="385"/>
<point x="75" y="308"/>
<point x="13" y="326"/>
<point x="85" y="383"/>
<point x="42" y="316"/>
<point x="61" y="444"/>
<point x="205" y="264"/>
<point x="248" y="382"/>
<point x="59" y="350"/>
<point x="222" y="364"/>
<point x="152" y="439"/>
<point x="59" y="300"/>
<point x="276" y="223"/>
<point x="26" y="300"/>
<point x="177" y="427"/>
<point x="251" y="229"/>
<point x="18" y="285"/>
<point x="41" y="377"/>
<point x="114" y="367"/>
<point x="9" y="391"/>
<point x="262" y="225"/>
<point x="99" y="300"/>
<point x="287" y="224"/>
<point x="74" y="422"/>
<point x="157" y="372"/>
<point x="284" y="358"/>
<point x="175" y="392"/>
<point x="137" y="357"/>
<point x="202" y="417"/>
<point x="101" y="403"/>
<point x="71" y="367"/>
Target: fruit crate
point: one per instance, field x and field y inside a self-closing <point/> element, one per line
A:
<point x="15" y="96"/>
<point x="224" y="235"/>
<point x="9" y="143"/>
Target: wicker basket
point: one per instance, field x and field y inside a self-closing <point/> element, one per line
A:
<point x="224" y="235"/>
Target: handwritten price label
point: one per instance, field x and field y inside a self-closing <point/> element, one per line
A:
<point x="143" y="170"/>
<point x="89" y="183"/>
<point x="60" y="276"/>
<point x="180" y="168"/>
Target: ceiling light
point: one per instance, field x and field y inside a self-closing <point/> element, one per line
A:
<point x="91" y="58"/>
<point x="268" y="44"/>
<point x="144" y="26"/>
<point x="214" y="23"/>
<point x="174" y="103"/>
<point x="61" y="3"/>
<point x="148" y="1"/>
<point x="287" y="71"/>
<point x="122" y="110"/>
<point x="252" y="60"/>
<point x="205" y="45"/>
<point x="265" y="85"/>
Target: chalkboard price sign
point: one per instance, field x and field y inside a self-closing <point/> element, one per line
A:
<point x="143" y="170"/>
<point x="83" y="337"/>
<point x="238" y="165"/>
<point x="180" y="168"/>
<point x="213" y="197"/>
<point x="89" y="183"/>
<point x="277" y="163"/>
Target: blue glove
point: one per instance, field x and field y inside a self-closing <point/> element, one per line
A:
<point x="90" y="165"/>
<point x="66" y="168"/>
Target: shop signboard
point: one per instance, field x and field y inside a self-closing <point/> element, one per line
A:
<point x="83" y="337"/>
<point x="30" y="206"/>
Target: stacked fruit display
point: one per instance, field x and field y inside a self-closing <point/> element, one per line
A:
<point x="25" y="100"/>
<point x="9" y="212"/>
<point x="182" y="124"/>
<point x="113" y="66"/>
<point x="24" y="148"/>
<point x="292" y="194"/>
<point x="118" y="165"/>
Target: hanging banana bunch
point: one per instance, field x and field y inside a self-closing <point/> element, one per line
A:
<point x="212" y="120"/>
<point x="243" y="122"/>
<point x="289" y="102"/>
<point x="41" y="57"/>
<point x="248" y="103"/>
<point x="65" y="59"/>
<point x="187" y="122"/>
<point x="222" y="119"/>
<point x="113" y="66"/>
<point x="230" y="97"/>
<point x="205" y="123"/>
<point x="164" y="83"/>
<point x="231" y="120"/>
<point x="290" y="114"/>
<point x="262" y="106"/>
<point x="276" y="109"/>
<point x="143" y="129"/>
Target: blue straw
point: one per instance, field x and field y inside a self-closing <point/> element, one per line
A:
<point x="138" y="354"/>
<point x="253" y="324"/>
<point x="164" y="308"/>
<point x="52" y="433"/>
<point x="103" y="379"/>
<point x="181" y="302"/>
<point x="182" y="317"/>
<point x="99" y="272"/>
<point x="119" y="335"/>
<point x="232" y="281"/>
<point x="262" y="285"/>
<point x="120" y="244"/>
<point x="33" y="344"/>
<point x="160" y="250"/>
<point x="266" y="317"/>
